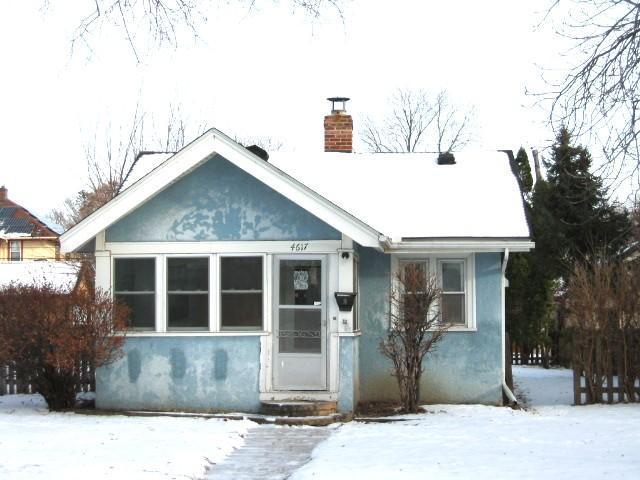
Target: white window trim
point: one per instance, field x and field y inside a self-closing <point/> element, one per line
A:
<point x="156" y="286"/>
<point x="161" y="293"/>
<point x="165" y="292"/>
<point x="433" y="267"/>
<point x="218" y="319"/>
<point x="20" y="252"/>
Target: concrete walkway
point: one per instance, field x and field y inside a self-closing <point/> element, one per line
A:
<point x="270" y="453"/>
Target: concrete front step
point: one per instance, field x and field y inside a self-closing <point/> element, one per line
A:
<point x="298" y="408"/>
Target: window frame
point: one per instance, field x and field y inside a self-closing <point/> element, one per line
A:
<point x="156" y="287"/>
<point x="440" y="277"/>
<point x="218" y="320"/>
<point x="10" y="252"/>
<point x="433" y="262"/>
<point x="166" y="292"/>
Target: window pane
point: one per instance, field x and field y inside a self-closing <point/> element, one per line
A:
<point x="188" y="274"/>
<point x="14" y="248"/>
<point x="421" y="267"/>
<point x="135" y="274"/>
<point x="241" y="273"/>
<point x="241" y="311"/>
<point x="143" y="309"/>
<point x="188" y="311"/>
<point x="453" y="308"/>
<point x="300" y="331"/>
<point x="452" y="277"/>
<point x="300" y="282"/>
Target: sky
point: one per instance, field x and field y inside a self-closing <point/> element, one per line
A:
<point x="262" y="72"/>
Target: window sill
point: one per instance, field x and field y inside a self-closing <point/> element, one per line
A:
<point x="200" y="333"/>
<point x="462" y="328"/>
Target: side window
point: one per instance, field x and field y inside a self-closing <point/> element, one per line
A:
<point x="453" y="303"/>
<point x="188" y="293"/>
<point x="15" y="250"/>
<point x="241" y="293"/>
<point x="134" y="285"/>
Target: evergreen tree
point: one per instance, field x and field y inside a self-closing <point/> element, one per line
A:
<point x="524" y="171"/>
<point x="577" y="200"/>
<point x="570" y="218"/>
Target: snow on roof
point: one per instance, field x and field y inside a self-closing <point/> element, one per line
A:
<point x="405" y="195"/>
<point x="62" y="275"/>
<point x="145" y="164"/>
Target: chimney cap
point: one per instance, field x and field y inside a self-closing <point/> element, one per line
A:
<point x="335" y="100"/>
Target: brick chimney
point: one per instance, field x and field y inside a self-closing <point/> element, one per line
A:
<point x="3" y="193"/>
<point x="338" y="127"/>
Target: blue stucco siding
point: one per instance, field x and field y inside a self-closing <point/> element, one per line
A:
<point x="348" y="397"/>
<point x="219" y="201"/>
<point x="467" y="366"/>
<point x="189" y="373"/>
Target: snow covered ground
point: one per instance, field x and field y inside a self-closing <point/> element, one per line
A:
<point x="37" y="444"/>
<point x="551" y="440"/>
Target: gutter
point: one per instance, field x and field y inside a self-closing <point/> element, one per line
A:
<point x="513" y="402"/>
<point x="457" y="244"/>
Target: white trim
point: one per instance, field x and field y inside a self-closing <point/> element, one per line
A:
<point x="458" y="245"/>
<point x="190" y="157"/>
<point x="236" y="247"/>
<point x="433" y="266"/>
<point x="264" y="291"/>
<point x="299" y="395"/>
<point x="195" y="333"/>
<point x="166" y="292"/>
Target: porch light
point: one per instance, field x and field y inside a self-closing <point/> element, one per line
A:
<point x="345" y="300"/>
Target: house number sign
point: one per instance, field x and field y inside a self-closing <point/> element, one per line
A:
<point x="299" y="246"/>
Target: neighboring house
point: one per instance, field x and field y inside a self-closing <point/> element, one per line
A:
<point x="22" y="235"/>
<point x="231" y="263"/>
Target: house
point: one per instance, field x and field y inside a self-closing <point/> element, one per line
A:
<point x="22" y="235"/>
<point x="231" y="263"/>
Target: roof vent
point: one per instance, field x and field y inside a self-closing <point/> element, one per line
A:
<point x="446" y="158"/>
<point x="259" y="152"/>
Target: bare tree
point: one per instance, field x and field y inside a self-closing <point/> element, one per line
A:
<point x="414" y="331"/>
<point x="112" y="157"/>
<point x="165" y="20"/>
<point x="599" y="95"/>
<point x="419" y="122"/>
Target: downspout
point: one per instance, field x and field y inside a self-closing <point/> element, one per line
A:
<point x="513" y="402"/>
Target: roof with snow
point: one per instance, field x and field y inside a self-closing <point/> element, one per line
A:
<point x="381" y="200"/>
<point x="62" y="275"/>
<point x="410" y="196"/>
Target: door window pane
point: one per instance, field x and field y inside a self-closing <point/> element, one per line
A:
<point x="300" y="331"/>
<point x="188" y="293"/>
<point x="134" y="282"/>
<point x="241" y="296"/>
<point x="300" y="282"/>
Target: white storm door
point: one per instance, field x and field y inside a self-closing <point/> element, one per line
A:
<point x="300" y="326"/>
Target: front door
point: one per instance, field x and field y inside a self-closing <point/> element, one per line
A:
<point x="300" y="326"/>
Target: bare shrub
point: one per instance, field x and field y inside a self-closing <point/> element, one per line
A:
<point x="604" y="309"/>
<point x="414" y="331"/>
<point x="47" y="334"/>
